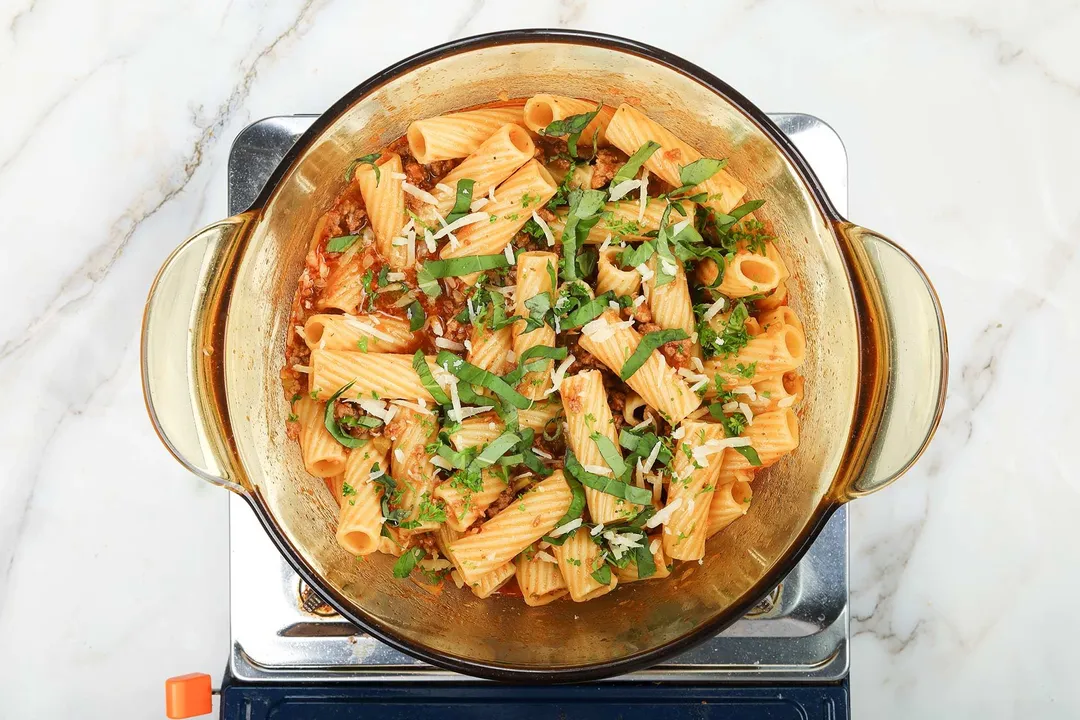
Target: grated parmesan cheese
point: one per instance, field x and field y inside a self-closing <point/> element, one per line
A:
<point x="436" y="327"/>
<point x="399" y="455"/>
<point x="745" y="410"/>
<point x="623" y="189"/>
<point x="367" y="328"/>
<point x="544" y="227"/>
<point x="429" y="240"/>
<point x="598" y="470"/>
<point x="301" y="368"/>
<point x="747" y="390"/>
<point x="558" y="374"/>
<point x="478" y="204"/>
<point x="715" y="308"/>
<point x="509" y="253"/>
<point x="566" y="528"/>
<point x="786" y="402"/>
<point x="597" y="530"/>
<point x="644" y="271"/>
<point x="448" y="344"/>
<point x="643" y="198"/>
<point x="545" y="556"/>
<point x="665" y="514"/>
<point x="679" y="433"/>
<point x="543" y="454"/>
<point x="470" y="219"/>
<point x="422" y="195"/>
<point x="443" y="187"/>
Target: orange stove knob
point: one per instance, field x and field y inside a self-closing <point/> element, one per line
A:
<point x="188" y="696"/>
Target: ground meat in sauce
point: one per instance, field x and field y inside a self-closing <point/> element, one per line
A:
<point x="677" y="353"/>
<point x="583" y="360"/>
<point x="546" y="214"/>
<point x="505" y="498"/>
<point x="617" y="403"/>
<point x="552" y="151"/>
<point x="424" y="540"/>
<point x="608" y="162"/>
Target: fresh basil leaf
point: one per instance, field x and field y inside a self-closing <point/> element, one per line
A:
<point x="609" y="486"/>
<point x="634" y="256"/>
<point x="551" y="274"/>
<point x="427" y="282"/>
<point x="611" y="455"/>
<point x="495" y="450"/>
<point x="405" y="564"/>
<point x="571" y="126"/>
<point x="641" y="446"/>
<point x="585" y="209"/>
<point x="465" y="265"/>
<point x="419" y="363"/>
<point x="750" y="454"/>
<point x="700" y="170"/>
<point x="650" y="342"/>
<point x="458" y="459"/>
<point x="586" y="261"/>
<point x="417" y="316"/>
<point x="525" y="366"/>
<point x="643" y="559"/>
<point x="633" y="165"/>
<point x="341" y="243"/>
<point x="478" y="376"/>
<point x="332" y="425"/>
<point x="589" y="311"/>
<point x="745" y="209"/>
<point x="462" y="201"/>
<point x="369" y="159"/>
<point x="602" y="575"/>
<point x="538" y="306"/>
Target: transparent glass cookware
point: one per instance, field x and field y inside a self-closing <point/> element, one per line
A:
<point x="217" y="317"/>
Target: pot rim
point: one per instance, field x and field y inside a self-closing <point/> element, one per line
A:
<point x="765" y="585"/>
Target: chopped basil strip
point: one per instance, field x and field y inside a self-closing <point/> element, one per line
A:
<point x="750" y="454"/>
<point x="495" y="450"/>
<point x="427" y="282"/>
<point x="611" y="455"/>
<point x="341" y="243"/>
<point x="365" y="160"/>
<point x="663" y="277"/>
<point x="390" y="493"/>
<point x="634" y="256"/>
<point x="524" y="366"/>
<point x="478" y="376"/>
<point x="462" y="201"/>
<point x="643" y="558"/>
<point x="589" y="311"/>
<point x="585" y="211"/>
<point x="571" y="126"/>
<point x="577" y="507"/>
<point x="466" y="265"/>
<point x="738" y="213"/>
<point x="539" y="306"/>
<point x="609" y="486"/>
<point x="700" y="170"/>
<point x="602" y="575"/>
<point x="405" y="564"/>
<point x="334" y="427"/>
<point x="633" y="165"/>
<point x="419" y="363"/>
<point x="650" y="342"/>
<point x="417" y="316"/>
<point x="640" y="446"/>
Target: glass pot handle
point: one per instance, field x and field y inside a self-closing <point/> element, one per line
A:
<point x="178" y="354"/>
<point x="916" y="360"/>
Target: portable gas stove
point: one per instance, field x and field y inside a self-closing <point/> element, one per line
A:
<point x="294" y="657"/>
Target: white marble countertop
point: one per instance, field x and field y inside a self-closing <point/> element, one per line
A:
<point x="962" y="126"/>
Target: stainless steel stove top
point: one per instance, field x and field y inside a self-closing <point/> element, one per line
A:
<point x="800" y="633"/>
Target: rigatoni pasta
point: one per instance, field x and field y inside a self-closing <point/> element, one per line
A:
<point x="541" y="344"/>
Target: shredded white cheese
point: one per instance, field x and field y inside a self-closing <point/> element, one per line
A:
<point x="436" y="327"/>
<point x="786" y="402"/>
<point x="545" y="556"/>
<point x="558" y="374"/>
<point x="368" y="328"/>
<point x="643" y="198"/>
<point x="600" y="330"/>
<point x="730" y="407"/>
<point x="429" y="240"/>
<point x="412" y="406"/>
<point x="461" y="222"/>
<point x="471" y="411"/>
<point x="509" y="253"/>
<point x="598" y="470"/>
<point x="443" y="187"/>
<point x="639" y="300"/>
<point x="654" y="546"/>
<point x="422" y="195"/>
<point x="668" y="267"/>
<point x="544" y="226"/>
<point x="623" y="189"/>
<point x="644" y="271"/>
<point x="747" y="390"/>
<point x="397" y="175"/>
<point x="510" y="356"/>
<point x="375" y="408"/>
<point x="665" y="514"/>
<point x="597" y="530"/>
<point x="399" y="455"/>
<point x="647" y="466"/>
<point x="566" y="528"/>
<point x="491" y="194"/>
<point x="745" y="410"/>
<point x="441" y="462"/>
<point x="395" y="276"/>
<point x="478" y="204"/>
<point x="301" y="368"/>
<point x="680" y="433"/>
<point x="715" y="308"/>
<point x="543" y="454"/>
<point x="447" y="344"/>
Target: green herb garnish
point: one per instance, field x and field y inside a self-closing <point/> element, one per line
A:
<point x="609" y="486"/>
<point x="465" y="265"/>
<point x="405" y="564"/>
<point x="341" y="243"/>
<point x="370" y="159"/>
<point x="462" y="201"/>
<point x="650" y="342"/>
<point x="633" y="165"/>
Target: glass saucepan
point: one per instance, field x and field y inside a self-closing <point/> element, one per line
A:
<point x="217" y="318"/>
